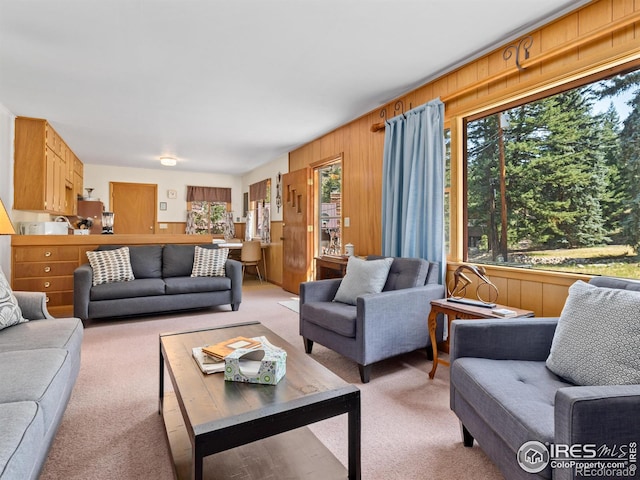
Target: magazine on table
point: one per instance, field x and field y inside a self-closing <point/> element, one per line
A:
<point x="209" y="364"/>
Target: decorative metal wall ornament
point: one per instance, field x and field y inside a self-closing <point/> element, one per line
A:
<point x="486" y="291"/>
<point x="279" y="191"/>
<point x="524" y="43"/>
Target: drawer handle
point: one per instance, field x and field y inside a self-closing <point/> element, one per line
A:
<point x="47" y="284"/>
<point x="47" y="254"/>
<point x="47" y="299"/>
<point x="47" y="269"/>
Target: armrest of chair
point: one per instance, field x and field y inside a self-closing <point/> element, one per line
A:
<point x="503" y="339"/>
<point x="598" y="415"/>
<point x="395" y="317"/>
<point x="319" y="291"/>
<point x="82" y="283"/>
<point x="33" y="305"/>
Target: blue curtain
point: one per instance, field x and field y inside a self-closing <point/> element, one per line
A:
<point x="413" y="185"/>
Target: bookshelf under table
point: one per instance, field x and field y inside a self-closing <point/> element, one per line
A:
<point x="455" y="310"/>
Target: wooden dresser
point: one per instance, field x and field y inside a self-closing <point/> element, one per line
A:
<point x="45" y="263"/>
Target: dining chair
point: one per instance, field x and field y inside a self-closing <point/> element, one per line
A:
<point x="251" y="255"/>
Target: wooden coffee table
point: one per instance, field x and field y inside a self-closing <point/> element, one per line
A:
<point x="251" y="431"/>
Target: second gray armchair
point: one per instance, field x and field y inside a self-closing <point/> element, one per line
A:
<point x="380" y="325"/>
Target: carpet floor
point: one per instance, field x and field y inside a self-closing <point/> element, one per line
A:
<point x="111" y="428"/>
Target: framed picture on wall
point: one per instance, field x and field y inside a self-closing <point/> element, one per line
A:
<point x="163" y="205"/>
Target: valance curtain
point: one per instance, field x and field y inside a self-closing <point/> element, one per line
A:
<point x="413" y="185"/>
<point x="258" y="191"/>
<point x="208" y="194"/>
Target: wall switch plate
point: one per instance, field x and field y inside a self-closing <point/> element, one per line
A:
<point x="163" y="226"/>
<point x="347" y="221"/>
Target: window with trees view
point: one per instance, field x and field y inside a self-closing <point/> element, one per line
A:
<point x="554" y="184"/>
<point x="329" y="181"/>
<point x="208" y="217"/>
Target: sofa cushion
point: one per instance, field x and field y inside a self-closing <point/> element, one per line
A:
<point x="146" y="260"/>
<point x="362" y="277"/>
<point x="110" y="265"/>
<point x="65" y="333"/>
<point x="10" y="313"/>
<point x="177" y="285"/>
<point x="142" y="287"/>
<point x="406" y="273"/>
<point x="515" y="397"/>
<point x="597" y="329"/>
<point x="45" y="384"/>
<point x="209" y="262"/>
<point x="22" y="435"/>
<point x="335" y="316"/>
<point x="177" y="260"/>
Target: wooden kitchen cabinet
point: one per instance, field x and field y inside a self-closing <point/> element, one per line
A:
<point x="45" y="169"/>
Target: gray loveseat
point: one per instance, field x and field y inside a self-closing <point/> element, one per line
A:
<point x="163" y="283"/>
<point x="504" y="394"/>
<point x="39" y="364"/>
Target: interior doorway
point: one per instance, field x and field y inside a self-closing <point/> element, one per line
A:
<point x="134" y="207"/>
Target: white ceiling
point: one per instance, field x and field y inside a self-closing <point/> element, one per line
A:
<point x="226" y="86"/>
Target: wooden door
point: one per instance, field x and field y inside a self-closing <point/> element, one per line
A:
<point x="296" y="229"/>
<point x="133" y="206"/>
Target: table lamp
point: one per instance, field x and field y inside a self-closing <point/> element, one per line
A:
<point x="6" y="228"/>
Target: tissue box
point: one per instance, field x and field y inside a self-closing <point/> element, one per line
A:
<point x="266" y="364"/>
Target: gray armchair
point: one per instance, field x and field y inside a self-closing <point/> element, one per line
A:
<point x="381" y="325"/>
<point x="505" y="396"/>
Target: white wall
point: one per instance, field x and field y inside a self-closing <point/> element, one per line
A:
<point x="6" y="181"/>
<point x="99" y="176"/>
<point x="269" y="170"/>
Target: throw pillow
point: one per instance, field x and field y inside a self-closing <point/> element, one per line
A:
<point x="10" y="313"/>
<point x="111" y="266"/>
<point x="597" y="337"/>
<point x="362" y="277"/>
<point x="209" y="262"/>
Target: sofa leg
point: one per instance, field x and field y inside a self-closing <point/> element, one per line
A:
<point x="235" y="307"/>
<point x="467" y="438"/>
<point x="308" y="345"/>
<point x="365" y="373"/>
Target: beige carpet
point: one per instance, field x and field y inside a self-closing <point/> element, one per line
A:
<point x="112" y="430"/>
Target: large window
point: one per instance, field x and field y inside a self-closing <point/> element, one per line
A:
<point x="208" y="217"/>
<point x="329" y="212"/>
<point x="554" y="183"/>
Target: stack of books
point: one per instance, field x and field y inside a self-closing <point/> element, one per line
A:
<point x="504" y="312"/>
<point x="210" y="358"/>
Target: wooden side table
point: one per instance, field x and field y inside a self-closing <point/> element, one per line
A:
<point x="454" y="311"/>
<point x="330" y="267"/>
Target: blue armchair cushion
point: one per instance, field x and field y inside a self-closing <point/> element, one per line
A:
<point x="362" y="277"/>
<point x="597" y="330"/>
<point x="336" y="316"/>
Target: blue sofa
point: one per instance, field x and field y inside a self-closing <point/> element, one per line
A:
<point x="163" y="283"/>
<point x="39" y="365"/>
<point x="504" y="394"/>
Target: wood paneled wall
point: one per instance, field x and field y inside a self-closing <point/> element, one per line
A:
<point x="600" y="36"/>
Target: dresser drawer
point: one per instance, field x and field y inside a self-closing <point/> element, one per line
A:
<point x="44" y="284"/>
<point x="48" y="253"/>
<point x="43" y="269"/>
<point x="55" y="299"/>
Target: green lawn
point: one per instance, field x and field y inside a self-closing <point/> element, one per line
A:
<point x="612" y="260"/>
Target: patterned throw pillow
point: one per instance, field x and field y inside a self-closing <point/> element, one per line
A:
<point x="111" y="266"/>
<point x="363" y="276"/>
<point x="10" y="313"/>
<point x="209" y="262"/>
<point x="597" y="338"/>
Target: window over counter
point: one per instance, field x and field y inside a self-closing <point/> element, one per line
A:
<point x="552" y="184"/>
<point x="209" y="211"/>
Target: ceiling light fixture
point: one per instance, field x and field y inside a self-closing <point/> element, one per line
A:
<point x="168" y="161"/>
